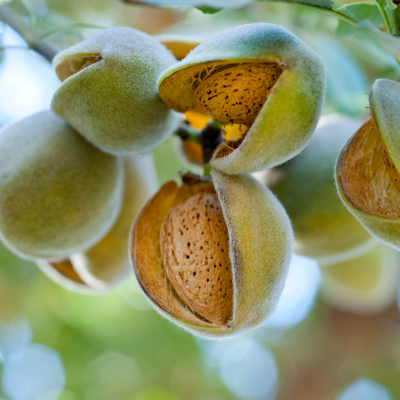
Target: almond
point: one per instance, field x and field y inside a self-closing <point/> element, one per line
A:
<point x="109" y="90"/>
<point x="58" y="193"/>
<point x="212" y="256"/>
<point x="367" y="170"/>
<point x="194" y="247"/>
<point x="367" y="174"/>
<point x="72" y="65"/>
<point x="260" y="77"/>
<point x="235" y="93"/>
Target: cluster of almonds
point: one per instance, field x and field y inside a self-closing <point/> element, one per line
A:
<point x="72" y="179"/>
<point x="212" y="253"/>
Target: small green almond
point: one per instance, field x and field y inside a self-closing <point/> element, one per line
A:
<point x="366" y="284"/>
<point x="259" y="76"/>
<point x="109" y="90"/>
<point x="323" y="228"/>
<point x="58" y="193"/>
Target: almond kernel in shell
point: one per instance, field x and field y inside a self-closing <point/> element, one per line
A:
<point x="236" y="93"/>
<point x="194" y="245"/>
<point x="146" y="252"/>
<point x="367" y="175"/>
<point x="73" y="65"/>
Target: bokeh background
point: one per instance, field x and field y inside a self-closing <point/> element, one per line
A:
<point x="56" y="344"/>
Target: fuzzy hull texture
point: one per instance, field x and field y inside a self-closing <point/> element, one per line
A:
<point x="114" y="102"/>
<point x="58" y="193"/>
<point x="367" y="170"/>
<point x="289" y="115"/>
<point x="260" y="249"/>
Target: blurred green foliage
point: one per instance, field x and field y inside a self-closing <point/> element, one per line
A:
<point x="112" y="348"/>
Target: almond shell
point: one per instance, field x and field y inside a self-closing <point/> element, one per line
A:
<point x="260" y="249"/>
<point x="291" y="112"/>
<point x="381" y="216"/>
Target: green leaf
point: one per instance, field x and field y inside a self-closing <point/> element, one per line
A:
<point x="213" y="6"/>
<point x="382" y="3"/>
<point x="360" y="12"/>
<point x="209" y="10"/>
<point x="207" y="6"/>
<point x="396" y="20"/>
<point x="391" y="5"/>
<point x="326" y="4"/>
<point x="389" y="43"/>
<point x="346" y="81"/>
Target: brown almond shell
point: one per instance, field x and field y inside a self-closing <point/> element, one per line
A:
<point x="367" y="170"/>
<point x="260" y="249"/>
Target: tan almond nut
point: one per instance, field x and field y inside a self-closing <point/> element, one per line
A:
<point x="368" y="176"/>
<point x="236" y="93"/>
<point x="260" y="77"/>
<point x="194" y="245"/>
<point x="212" y="257"/>
<point x="367" y="170"/>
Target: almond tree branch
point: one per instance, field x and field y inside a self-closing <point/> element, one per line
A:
<point x="33" y="41"/>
